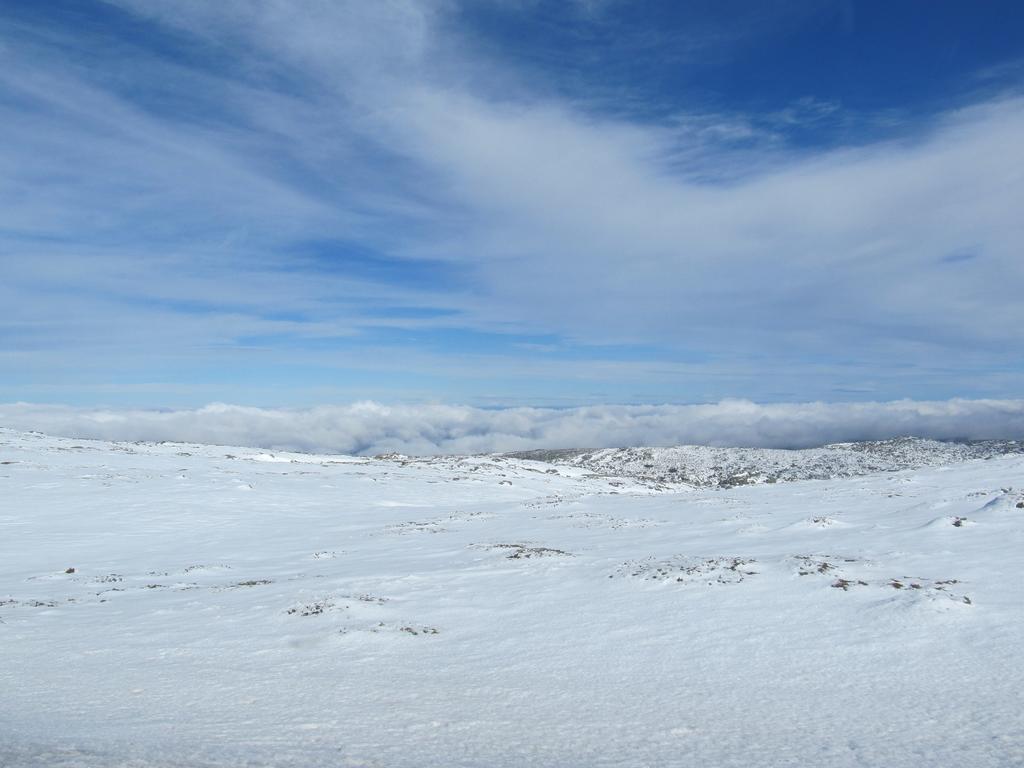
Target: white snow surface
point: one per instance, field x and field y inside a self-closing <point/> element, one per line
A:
<point x="700" y="465"/>
<point x="234" y="607"/>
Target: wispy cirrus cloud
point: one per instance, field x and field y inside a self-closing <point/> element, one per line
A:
<point x="210" y="183"/>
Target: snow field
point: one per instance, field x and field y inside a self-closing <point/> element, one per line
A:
<point x="236" y="607"/>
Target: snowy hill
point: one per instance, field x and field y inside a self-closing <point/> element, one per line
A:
<point x="727" y="467"/>
<point x="183" y="605"/>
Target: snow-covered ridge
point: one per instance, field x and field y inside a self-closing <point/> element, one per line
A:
<point x="703" y="466"/>
<point x="654" y="468"/>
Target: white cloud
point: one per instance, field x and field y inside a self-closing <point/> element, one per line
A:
<point x="583" y="224"/>
<point x="374" y="125"/>
<point x="370" y="428"/>
<point x="585" y="232"/>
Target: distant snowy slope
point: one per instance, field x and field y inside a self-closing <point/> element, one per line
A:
<point x="190" y="606"/>
<point x="725" y="467"/>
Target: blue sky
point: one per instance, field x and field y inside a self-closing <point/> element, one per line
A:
<point x="510" y="202"/>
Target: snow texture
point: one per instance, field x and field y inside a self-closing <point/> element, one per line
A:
<point x="186" y="605"/>
<point x="726" y="467"/>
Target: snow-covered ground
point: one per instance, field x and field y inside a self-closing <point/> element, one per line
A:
<point x="233" y="607"/>
<point x="704" y="466"/>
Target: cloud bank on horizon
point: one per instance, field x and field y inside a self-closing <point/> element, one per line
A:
<point x="369" y="428"/>
<point x="509" y="202"/>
